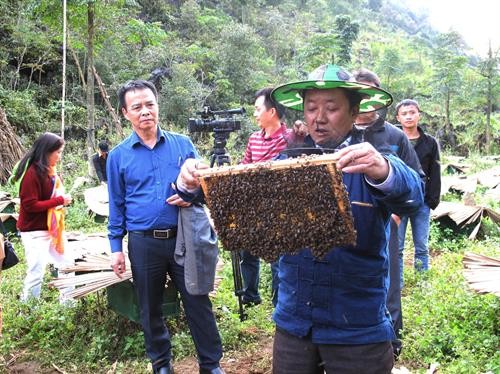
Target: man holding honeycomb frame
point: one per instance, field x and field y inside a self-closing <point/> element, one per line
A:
<point x="331" y="313"/>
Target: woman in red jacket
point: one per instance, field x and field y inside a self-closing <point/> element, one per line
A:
<point x="41" y="216"/>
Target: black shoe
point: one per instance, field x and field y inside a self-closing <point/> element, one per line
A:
<point x="396" y="348"/>
<point x="165" y="370"/>
<point x="251" y="302"/>
<point x="217" y="370"/>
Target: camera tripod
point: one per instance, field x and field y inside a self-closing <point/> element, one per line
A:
<point x="220" y="157"/>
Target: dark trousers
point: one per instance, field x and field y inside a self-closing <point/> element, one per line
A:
<point x="151" y="260"/>
<point x="394" y="292"/>
<point x="294" y="355"/>
<point x="250" y="272"/>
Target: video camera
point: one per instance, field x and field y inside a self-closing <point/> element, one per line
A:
<point x="221" y="127"/>
<point x="208" y="121"/>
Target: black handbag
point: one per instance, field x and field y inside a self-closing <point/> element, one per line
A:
<point x="11" y="258"/>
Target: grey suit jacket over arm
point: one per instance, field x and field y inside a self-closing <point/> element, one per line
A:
<point x="196" y="249"/>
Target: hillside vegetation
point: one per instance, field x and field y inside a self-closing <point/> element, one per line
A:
<point x="219" y="53"/>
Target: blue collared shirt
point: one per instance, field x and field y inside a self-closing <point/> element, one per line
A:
<point x="140" y="180"/>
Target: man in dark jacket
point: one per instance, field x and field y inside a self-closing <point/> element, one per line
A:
<point x="372" y="127"/>
<point x="99" y="161"/>
<point x="427" y="149"/>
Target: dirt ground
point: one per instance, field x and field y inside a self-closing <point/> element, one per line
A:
<point x="255" y="362"/>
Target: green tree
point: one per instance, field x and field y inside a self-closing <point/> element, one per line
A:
<point x="346" y="32"/>
<point x="489" y="70"/>
<point x="449" y="64"/>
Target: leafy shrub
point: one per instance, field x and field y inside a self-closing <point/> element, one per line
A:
<point x="446" y="322"/>
<point x="23" y="111"/>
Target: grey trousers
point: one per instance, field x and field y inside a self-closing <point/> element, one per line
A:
<point x="294" y="355"/>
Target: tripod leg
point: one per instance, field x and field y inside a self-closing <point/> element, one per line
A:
<point x="238" y="282"/>
<point x="220" y="157"/>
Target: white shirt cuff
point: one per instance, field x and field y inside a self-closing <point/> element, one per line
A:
<point x="386" y="185"/>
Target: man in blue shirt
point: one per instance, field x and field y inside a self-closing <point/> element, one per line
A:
<point x="141" y="172"/>
<point x="331" y="313"/>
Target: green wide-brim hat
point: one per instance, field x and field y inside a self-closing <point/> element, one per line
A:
<point x="330" y="76"/>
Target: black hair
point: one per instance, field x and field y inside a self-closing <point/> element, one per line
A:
<point x="103" y="146"/>
<point x="354" y="97"/>
<point x="138" y="84"/>
<point x="365" y="75"/>
<point x="407" y="102"/>
<point x="38" y="155"/>
<point x="269" y="102"/>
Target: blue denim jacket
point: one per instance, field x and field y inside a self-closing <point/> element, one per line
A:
<point x="340" y="299"/>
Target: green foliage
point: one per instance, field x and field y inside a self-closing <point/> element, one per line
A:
<point x="346" y="32"/>
<point x="220" y="53"/>
<point x="22" y="110"/>
<point x="449" y="65"/>
<point x="447" y="323"/>
<point x="181" y="96"/>
<point x="443" y="238"/>
<point x="143" y="33"/>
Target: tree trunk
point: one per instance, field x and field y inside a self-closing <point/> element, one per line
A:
<point x="489" y="99"/>
<point x="447" y="110"/>
<point x="90" y="82"/>
<point x="63" y="93"/>
<point x="111" y="110"/>
<point x="78" y="67"/>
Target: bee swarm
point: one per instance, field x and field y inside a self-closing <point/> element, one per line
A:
<point x="280" y="207"/>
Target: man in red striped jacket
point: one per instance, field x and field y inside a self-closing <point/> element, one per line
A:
<point x="264" y="145"/>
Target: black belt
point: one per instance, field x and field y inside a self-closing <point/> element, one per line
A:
<point x="158" y="234"/>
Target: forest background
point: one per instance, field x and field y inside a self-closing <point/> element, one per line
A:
<point x="218" y="53"/>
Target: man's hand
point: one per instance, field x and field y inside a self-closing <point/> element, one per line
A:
<point x="188" y="177"/>
<point x="177" y="200"/>
<point x="363" y="158"/>
<point x="118" y="263"/>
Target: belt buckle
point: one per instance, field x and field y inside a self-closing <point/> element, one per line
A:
<point x="161" y="234"/>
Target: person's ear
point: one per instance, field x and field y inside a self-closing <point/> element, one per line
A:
<point x="124" y="112"/>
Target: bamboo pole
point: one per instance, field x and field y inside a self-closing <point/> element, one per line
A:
<point x="63" y="98"/>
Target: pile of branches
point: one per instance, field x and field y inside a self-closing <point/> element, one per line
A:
<point x="11" y="150"/>
<point x="92" y="273"/>
<point x="482" y="273"/>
